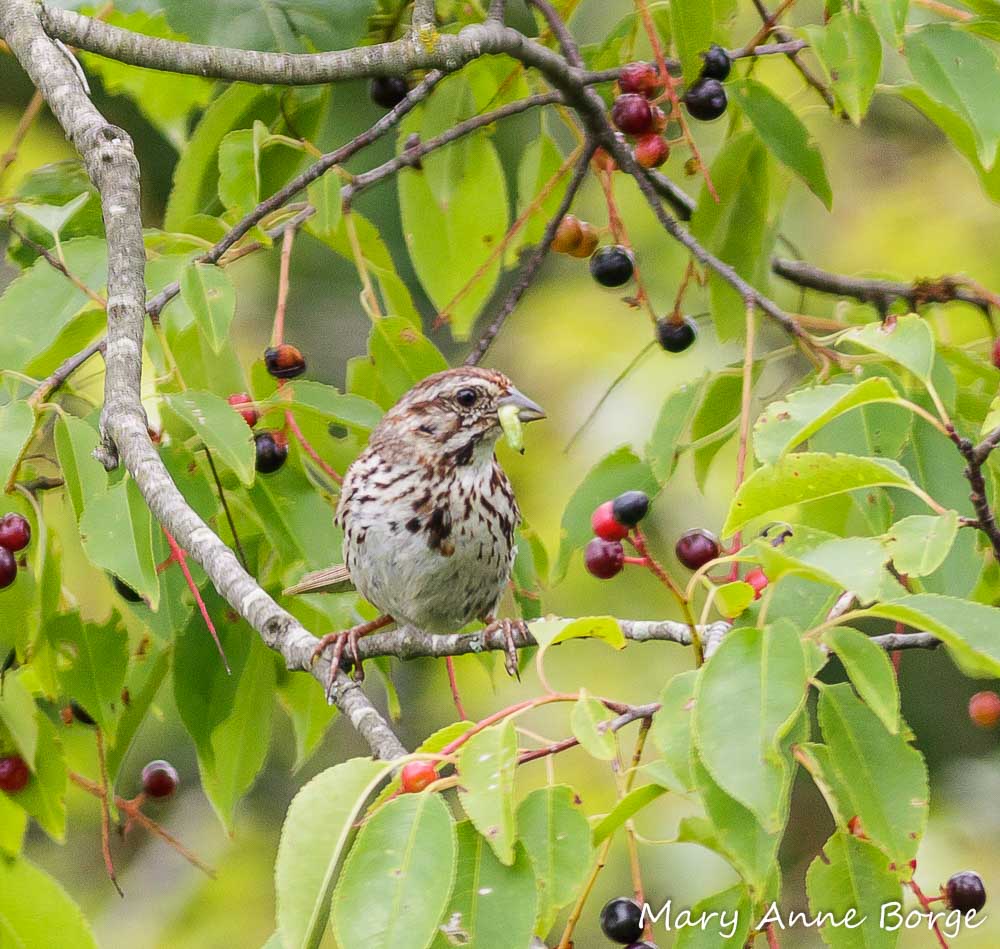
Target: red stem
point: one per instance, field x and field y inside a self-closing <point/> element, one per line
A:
<point x="180" y="558"/>
<point x="308" y="448"/>
<point x="453" y="682"/>
<point x="926" y="904"/>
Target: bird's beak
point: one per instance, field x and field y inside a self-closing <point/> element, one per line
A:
<point x="527" y="411"/>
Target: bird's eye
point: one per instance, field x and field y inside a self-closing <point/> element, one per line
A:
<point x="466" y="398"/>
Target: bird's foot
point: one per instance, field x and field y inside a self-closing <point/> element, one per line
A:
<point x="509" y="627"/>
<point x="347" y="639"/>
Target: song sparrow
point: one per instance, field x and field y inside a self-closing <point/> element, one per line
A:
<point x="427" y="512"/>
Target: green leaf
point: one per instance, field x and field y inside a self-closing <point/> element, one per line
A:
<point x="309" y="711"/>
<point x="239" y="167"/>
<point x="19" y="715"/>
<point x="671" y="730"/>
<point x="852" y="877"/>
<point x="737" y="834"/>
<point x="809" y="476"/>
<point x="783" y="133"/>
<point x="408" y="849"/>
<point x="764" y="675"/>
<point x="44" y="797"/>
<point x="619" y="471"/>
<point x="734" y="906"/>
<point x="455" y="210"/>
<point x="969" y="629"/>
<point x="735" y="227"/>
<point x="919" y="544"/>
<point x="97" y="672"/>
<point x="962" y="73"/>
<point x="17" y="422"/>
<point x="402" y="356"/>
<point x="329" y="404"/>
<point x="847" y="563"/>
<point x="116" y="530"/>
<point x="492" y="904"/>
<point x="211" y="297"/>
<point x="551" y="632"/>
<point x="870" y="672"/>
<point x="907" y="340"/>
<point x="626" y="809"/>
<point x="221" y="429"/>
<point x="556" y="835"/>
<point x="889" y="17"/>
<point x="875" y="775"/>
<point x="39" y="304"/>
<point x="539" y="164"/>
<point x="324" y="196"/>
<point x="318" y="824"/>
<point x="84" y="475"/>
<point x="732" y="599"/>
<point x="851" y="54"/>
<point x="786" y="423"/>
<point x="486" y="768"/>
<point x="585" y="720"/>
<point x="668" y="430"/>
<point x="50" y="217"/>
<point x="691" y="23"/>
<point x="33" y="906"/>
<point x="13" y="824"/>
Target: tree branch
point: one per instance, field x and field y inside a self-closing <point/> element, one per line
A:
<point x="975" y="457"/>
<point x="883" y="293"/>
<point x="110" y="161"/>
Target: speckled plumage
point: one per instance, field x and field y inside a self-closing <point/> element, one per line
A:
<point x="427" y="512"/>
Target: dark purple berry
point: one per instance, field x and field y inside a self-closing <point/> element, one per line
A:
<point x="706" y="99"/>
<point x="272" y="451"/>
<point x="160" y="779"/>
<point x="630" y="508"/>
<point x="717" y="63"/>
<point x="965" y="892"/>
<point x="8" y="568"/>
<point x="388" y="91"/>
<point x="632" y="114"/>
<point x="621" y="920"/>
<point x="604" y="558"/>
<point x="15" y="532"/>
<point x="675" y="336"/>
<point x="697" y="547"/>
<point x="612" y="266"/>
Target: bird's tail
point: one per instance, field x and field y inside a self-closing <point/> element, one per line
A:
<point x="336" y="579"/>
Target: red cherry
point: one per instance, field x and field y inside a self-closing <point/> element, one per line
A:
<point x="984" y="709"/>
<point x="160" y="778"/>
<point x="417" y="775"/>
<point x="632" y="114"/>
<point x="758" y="580"/>
<point x="651" y="151"/>
<point x="996" y="353"/>
<point x="15" y="532"/>
<point x="641" y="78"/>
<point x="604" y="523"/>
<point x="251" y="415"/>
<point x="604" y="558"/>
<point x="14" y="773"/>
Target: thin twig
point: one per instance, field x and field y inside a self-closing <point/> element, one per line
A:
<point x="559" y="30"/>
<point x="106" y="812"/>
<point x="28" y="117"/>
<point x="225" y="507"/>
<point x="53" y="261"/>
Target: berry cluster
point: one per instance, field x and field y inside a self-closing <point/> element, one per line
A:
<point x="705" y="98"/>
<point x="612" y="522"/>
<point x="636" y="115"/>
<point x="15" y="535"/>
<point x="611" y="266"/>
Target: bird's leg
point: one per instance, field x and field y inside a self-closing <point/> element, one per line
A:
<point x="508" y="627"/>
<point x="349" y="638"/>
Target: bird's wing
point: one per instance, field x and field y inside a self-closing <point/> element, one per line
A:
<point x="335" y="579"/>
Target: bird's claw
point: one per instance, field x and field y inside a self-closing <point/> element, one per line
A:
<point x="349" y="639"/>
<point x="509" y="627"/>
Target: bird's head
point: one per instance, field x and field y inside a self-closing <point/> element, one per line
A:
<point x="457" y="413"/>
